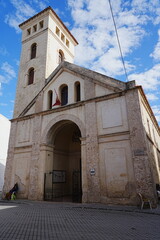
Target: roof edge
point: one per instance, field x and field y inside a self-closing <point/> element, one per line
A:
<point x="54" y="13"/>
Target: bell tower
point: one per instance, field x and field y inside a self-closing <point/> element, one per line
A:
<point x="46" y="42"/>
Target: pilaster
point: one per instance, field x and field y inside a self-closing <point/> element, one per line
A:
<point x="35" y="158"/>
<point x="141" y="161"/>
<point x="92" y="153"/>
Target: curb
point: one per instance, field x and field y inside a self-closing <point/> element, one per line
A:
<point x="116" y="208"/>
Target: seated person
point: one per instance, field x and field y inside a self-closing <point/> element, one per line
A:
<point x="158" y="190"/>
<point x="14" y="190"/>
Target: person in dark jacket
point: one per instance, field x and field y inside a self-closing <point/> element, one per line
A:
<point x="14" y="190"/>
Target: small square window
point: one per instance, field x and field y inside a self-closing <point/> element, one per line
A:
<point x="41" y="24"/>
<point x="28" y="31"/>
<point x="62" y="37"/>
<point x="57" y="31"/>
<point x="67" y="43"/>
<point x="35" y="28"/>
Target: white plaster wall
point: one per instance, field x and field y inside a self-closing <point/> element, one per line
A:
<point x="100" y="91"/>
<point x="31" y="110"/>
<point x="116" y="169"/>
<point x="149" y="124"/>
<point x="30" y="24"/>
<point x="57" y="116"/>
<point x="48" y="46"/>
<point x="55" y="44"/>
<point x="53" y="47"/>
<point x="69" y="80"/>
<point x="154" y="142"/>
<point x="112" y="116"/>
<point x="24" y="133"/>
<point x="52" y="23"/>
<point x="4" y="138"/>
<point x="21" y="170"/>
<point x="39" y="64"/>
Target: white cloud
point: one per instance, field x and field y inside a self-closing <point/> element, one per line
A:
<point x="150" y="79"/>
<point x="17" y="62"/>
<point x="156" y="111"/>
<point x="23" y="11"/>
<point x="41" y="4"/>
<point x="3" y="104"/>
<point x="7" y="73"/>
<point x="67" y="24"/>
<point x="98" y="46"/>
<point x="23" y="8"/>
<point x="13" y="21"/>
<point x="8" y="69"/>
<point x="156" y="52"/>
<point x="151" y="97"/>
<point x="3" y="79"/>
<point x="144" y="6"/>
<point x="94" y="29"/>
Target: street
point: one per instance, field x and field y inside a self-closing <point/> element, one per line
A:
<point x="67" y="221"/>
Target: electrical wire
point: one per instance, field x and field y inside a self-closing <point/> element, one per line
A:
<point x="120" y="49"/>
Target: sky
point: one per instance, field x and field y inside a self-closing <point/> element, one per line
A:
<point x="91" y="23"/>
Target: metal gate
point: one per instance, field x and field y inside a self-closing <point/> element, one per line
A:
<point x="55" y="186"/>
<point x="76" y="186"/>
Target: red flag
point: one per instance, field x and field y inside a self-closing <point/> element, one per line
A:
<point x="57" y="102"/>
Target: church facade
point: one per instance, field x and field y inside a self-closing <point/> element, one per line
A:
<point x="77" y="135"/>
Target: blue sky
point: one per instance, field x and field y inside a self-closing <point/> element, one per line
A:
<point x="90" y="21"/>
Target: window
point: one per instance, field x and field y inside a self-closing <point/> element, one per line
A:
<point x="28" y="31"/>
<point x="41" y="24"/>
<point x="57" y="31"/>
<point x="64" y="95"/>
<point x="67" y="43"/>
<point x="77" y="92"/>
<point x="50" y="95"/>
<point x="30" y="76"/>
<point x="35" y="28"/>
<point x="33" y="50"/>
<point x="62" y="37"/>
<point x="61" y="56"/>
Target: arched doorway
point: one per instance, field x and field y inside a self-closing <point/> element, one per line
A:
<point x="63" y="181"/>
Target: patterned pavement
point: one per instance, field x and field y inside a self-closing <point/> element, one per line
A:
<point x="29" y="220"/>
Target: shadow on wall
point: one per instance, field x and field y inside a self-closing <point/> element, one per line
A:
<point x="2" y="169"/>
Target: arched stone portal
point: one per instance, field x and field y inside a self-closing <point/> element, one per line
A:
<point x="63" y="163"/>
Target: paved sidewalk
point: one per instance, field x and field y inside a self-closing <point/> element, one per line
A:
<point x="33" y="220"/>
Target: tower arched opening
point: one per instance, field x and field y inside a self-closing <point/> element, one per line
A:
<point x="30" y="76"/>
<point x="60" y="56"/>
<point x="64" y="94"/>
<point x="33" y="50"/>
